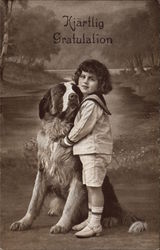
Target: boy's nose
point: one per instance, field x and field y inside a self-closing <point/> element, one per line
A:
<point x="86" y="80"/>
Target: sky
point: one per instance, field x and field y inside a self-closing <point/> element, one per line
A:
<point x="110" y="11"/>
<point x="76" y="7"/>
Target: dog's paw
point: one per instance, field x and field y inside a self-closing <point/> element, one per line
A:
<point x="138" y="227"/>
<point x="56" y="206"/>
<point x="19" y="226"/>
<point x="57" y="229"/>
<point x="109" y="222"/>
<point x="51" y="212"/>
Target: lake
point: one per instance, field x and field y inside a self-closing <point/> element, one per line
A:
<point x="20" y="121"/>
<point x="68" y="73"/>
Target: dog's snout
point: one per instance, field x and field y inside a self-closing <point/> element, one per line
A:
<point x="72" y="96"/>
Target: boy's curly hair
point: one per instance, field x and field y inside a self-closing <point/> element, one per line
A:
<point x="101" y="72"/>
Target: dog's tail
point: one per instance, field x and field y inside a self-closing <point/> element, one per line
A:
<point x="136" y="224"/>
<point x="119" y="216"/>
<point x="114" y="213"/>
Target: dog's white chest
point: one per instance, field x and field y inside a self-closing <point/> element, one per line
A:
<point x="53" y="147"/>
<point x="45" y="143"/>
<point x="42" y="140"/>
<point x="46" y="150"/>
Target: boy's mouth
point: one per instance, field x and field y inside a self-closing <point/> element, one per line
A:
<point x="84" y="87"/>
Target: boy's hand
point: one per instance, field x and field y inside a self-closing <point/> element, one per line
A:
<point x="65" y="142"/>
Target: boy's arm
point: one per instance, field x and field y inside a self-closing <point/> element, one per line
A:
<point x="90" y="114"/>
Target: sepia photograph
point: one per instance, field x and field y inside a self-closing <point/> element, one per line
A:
<point x="79" y="124"/>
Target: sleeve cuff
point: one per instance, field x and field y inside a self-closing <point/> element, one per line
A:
<point x="68" y="142"/>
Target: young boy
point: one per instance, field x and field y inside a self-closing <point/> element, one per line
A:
<point x="91" y="139"/>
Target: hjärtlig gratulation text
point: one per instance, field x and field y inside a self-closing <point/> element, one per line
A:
<point x="79" y="31"/>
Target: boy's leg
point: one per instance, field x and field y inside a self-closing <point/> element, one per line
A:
<point x="94" y="171"/>
<point x="94" y="227"/>
<point x="85" y="222"/>
<point x="97" y="201"/>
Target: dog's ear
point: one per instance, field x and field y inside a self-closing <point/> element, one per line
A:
<point x="44" y="105"/>
<point x="79" y="93"/>
<point x="47" y="105"/>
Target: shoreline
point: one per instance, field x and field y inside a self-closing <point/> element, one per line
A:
<point x="20" y="81"/>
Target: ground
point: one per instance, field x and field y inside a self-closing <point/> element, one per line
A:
<point x="133" y="172"/>
<point x="138" y="195"/>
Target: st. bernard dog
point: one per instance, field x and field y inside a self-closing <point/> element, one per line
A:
<point x="59" y="172"/>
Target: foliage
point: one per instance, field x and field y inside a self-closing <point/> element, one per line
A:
<point x="137" y="154"/>
<point x="154" y="23"/>
<point x="136" y="39"/>
<point x="31" y="35"/>
<point x="6" y="7"/>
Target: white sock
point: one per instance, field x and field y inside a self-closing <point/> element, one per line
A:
<point x="95" y="219"/>
<point x="89" y="212"/>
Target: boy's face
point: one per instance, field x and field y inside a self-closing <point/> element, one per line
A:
<point x="88" y="83"/>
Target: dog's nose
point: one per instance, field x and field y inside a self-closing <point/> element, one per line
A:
<point x="72" y="96"/>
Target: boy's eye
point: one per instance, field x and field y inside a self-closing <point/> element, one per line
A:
<point x="92" y="79"/>
<point x="82" y="76"/>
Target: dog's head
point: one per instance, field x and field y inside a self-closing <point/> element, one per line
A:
<point x="60" y="101"/>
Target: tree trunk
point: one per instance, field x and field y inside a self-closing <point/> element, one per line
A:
<point x="7" y="18"/>
<point x="152" y="60"/>
<point x="139" y="64"/>
<point x="130" y="64"/>
<point x="4" y="48"/>
<point x="2" y="14"/>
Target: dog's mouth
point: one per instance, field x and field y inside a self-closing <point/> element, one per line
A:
<point x="73" y="104"/>
<point x="71" y="111"/>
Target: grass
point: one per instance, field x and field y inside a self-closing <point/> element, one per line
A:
<point x="132" y="157"/>
<point x="19" y="80"/>
<point x="144" y="84"/>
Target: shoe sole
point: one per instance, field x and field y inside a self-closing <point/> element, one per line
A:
<point x="89" y="236"/>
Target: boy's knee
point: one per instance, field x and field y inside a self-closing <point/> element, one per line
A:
<point x="94" y="189"/>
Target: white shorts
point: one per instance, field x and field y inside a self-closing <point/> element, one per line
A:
<point x="94" y="168"/>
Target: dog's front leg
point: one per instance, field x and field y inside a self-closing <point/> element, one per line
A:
<point x="36" y="202"/>
<point x="75" y="199"/>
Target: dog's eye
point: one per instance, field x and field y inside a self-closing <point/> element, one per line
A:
<point x="60" y="106"/>
<point x="58" y="93"/>
<point x="44" y="100"/>
<point x="61" y="93"/>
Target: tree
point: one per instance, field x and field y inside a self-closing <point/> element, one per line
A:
<point x="135" y="41"/>
<point x="6" y="9"/>
<point x="153" y="8"/>
<point x="128" y="48"/>
<point x="34" y="43"/>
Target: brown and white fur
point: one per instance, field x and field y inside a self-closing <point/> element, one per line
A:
<point x="59" y="172"/>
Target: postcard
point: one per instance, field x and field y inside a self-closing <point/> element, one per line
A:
<point x="79" y="124"/>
